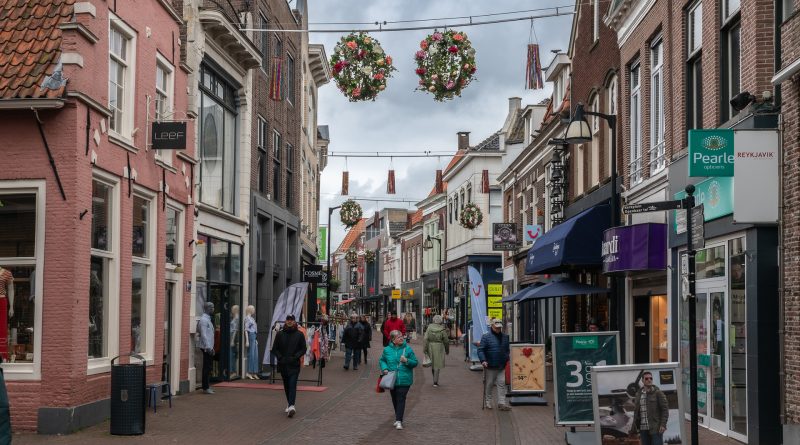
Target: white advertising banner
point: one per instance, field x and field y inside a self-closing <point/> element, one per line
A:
<point x="756" y="176"/>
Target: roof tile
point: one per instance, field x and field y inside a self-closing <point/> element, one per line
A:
<point x="352" y="236"/>
<point x="30" y="46"/>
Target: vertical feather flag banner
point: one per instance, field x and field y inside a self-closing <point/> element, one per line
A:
<point x="533" y="71"/>
<point x="485" y="181"/>
<point x="345" y="183"/>
<point x="390" y="189"/>
<point x="276" y="79"/>
<point x="439" y="182"/>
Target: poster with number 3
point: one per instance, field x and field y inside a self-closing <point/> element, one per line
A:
<point x="574" y="355"/>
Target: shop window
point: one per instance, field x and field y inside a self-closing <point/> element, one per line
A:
<point x="142" y="277"/>
<point x="738" y="337"/>
<point x="217" y="142"/>
<point x="710" y="263"/>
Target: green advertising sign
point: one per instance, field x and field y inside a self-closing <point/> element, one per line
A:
<point x="574" y="355"/>
<point x="322" y="244"/>
<point x="711" y="152"/>
<point x="716" y="195"/>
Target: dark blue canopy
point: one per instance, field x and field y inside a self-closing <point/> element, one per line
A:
<point x="575" y="242"/>
<point x="521" y="293"/>
<point x="563" y="288"/>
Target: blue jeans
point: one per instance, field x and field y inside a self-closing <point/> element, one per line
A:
<point x="399" y="394"/>
<point x="647" y="438"/>
<point x="355" y="353"/>
<point x="252" y="354"/>
<point x="290" y="386"/>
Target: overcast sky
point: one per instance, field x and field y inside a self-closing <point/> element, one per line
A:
<point x="402" y="119"/>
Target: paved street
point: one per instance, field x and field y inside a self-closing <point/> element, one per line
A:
<point x="349" y="410"/>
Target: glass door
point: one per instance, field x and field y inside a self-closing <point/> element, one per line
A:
<point x="717" y="377"/>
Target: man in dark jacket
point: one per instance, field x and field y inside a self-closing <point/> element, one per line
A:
<point x="493" y="352"/>
<point x="288" y="348"/>
<point x="367" y="336"/>
<point x="651" y="412"/>
<point x="353" y="339"/>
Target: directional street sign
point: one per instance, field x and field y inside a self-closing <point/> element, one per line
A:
<point x="699" y="232"/>
<point x="652" y="206"/>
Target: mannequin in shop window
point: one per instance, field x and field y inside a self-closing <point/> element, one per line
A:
<point x="250" y="342"/>
<point x="234" y="354"/>
<point x="6" y="308"/>
<point x="205" y="341"/>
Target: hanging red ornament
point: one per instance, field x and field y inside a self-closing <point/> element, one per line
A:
<point x="485" y="182"/>
<point x="390" y="183"/>
<point x="276" y="80"/>
<point x="533" y="71"/>
<point x="439" y="182"/>
<point x="345" y="183"/>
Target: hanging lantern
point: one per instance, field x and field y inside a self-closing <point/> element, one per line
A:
<point x="439" y="182"/>
<point x="485" y="181"/>
<point x="390" y="183"/>
<point x="345" y="183"/>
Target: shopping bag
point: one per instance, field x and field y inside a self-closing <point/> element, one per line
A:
<point x="388" y="380"/>
<point x="378" y="385"/>
<point x="426" y="362"/>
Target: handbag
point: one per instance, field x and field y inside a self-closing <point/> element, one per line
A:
<point x="388" y="380"/>
<point x="426" y="362"/>
<point x="378" y="385"/>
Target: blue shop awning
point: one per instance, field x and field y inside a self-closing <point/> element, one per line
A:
<point x="562" y="288"/>
<point x="576" y="242"/>
<point x="516" y="296"/>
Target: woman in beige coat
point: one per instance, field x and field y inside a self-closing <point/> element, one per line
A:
<point x="437" y="345"/>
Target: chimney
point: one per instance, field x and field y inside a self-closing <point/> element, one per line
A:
<point x="514" y="104"/>
<point x="463" y="140"/>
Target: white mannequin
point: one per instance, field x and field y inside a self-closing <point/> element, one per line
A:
<point x="9" y="291"/>
<point x="252" y="357"/>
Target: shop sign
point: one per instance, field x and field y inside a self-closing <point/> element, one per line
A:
<point x="494" y="302"/>
<point x="757" y="176"/>
<point x="169" y="136"/>
<point x="716" y="195"/>
<point x="711" y="152"/>
<point x="495" y="313"/>
<point x="494" y="289"/>
<point x="322" y="243"/>
<point x="532" y="233"/>
<point x="574" y="355"/>
<point x="635" y="247"/>
<point x="504" y="236"/>
<point x="527" y="368"/>
<point x="396" y="294"/>
<point x="313" y="273"/>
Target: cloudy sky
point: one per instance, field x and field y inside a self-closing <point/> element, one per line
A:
<point x="402" y="119"/>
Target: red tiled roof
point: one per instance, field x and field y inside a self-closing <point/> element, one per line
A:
<point x="456" y="157"/>
<point x="416" y="217"/>
<point x="433" y="189"/>
<point x="30" y="47"/>
<point x="352" y="236"/>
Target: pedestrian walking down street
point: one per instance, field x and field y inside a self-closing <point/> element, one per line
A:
<point x="205" y="331"/>
<point x="288" y="348"/>
<point x="399" y="357"/>
<point x="367" y="336"/>
<point x="353" y="339"/>
<point x="392" y="324"/>
<point x="493" y="353"/>
<point x="411" y="326"/>
<point x="437" y="345"/>
<point x="651" y="412"/>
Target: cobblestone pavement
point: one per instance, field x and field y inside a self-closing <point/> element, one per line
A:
<point x="349" y="411"/>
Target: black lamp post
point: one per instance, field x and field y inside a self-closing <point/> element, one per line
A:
<point x="579" y="132"/>
<point x="328" y="278"/>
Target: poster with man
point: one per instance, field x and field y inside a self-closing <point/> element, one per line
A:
<point x="638" y="404"/>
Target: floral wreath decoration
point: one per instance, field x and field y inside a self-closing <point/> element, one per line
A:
<point x="445" y="64"/>
<point x="360" y="66"/>
<point x="351" y="256"/>
<point x="369" y="256"/>
<point x="350" y="213"/>
<point x="471" y="216"/>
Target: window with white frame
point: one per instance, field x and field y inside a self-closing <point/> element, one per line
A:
<point x="142" y="275"/>
<point x="163" y="100"/>
<point x="594" y="177"/>
<point x="730" y="7"/>
<point x="22" y="222"/>
<point x="263" y="39"/>
<point x="694" y="81"/>
<point x="277" y="145"/>
<point x="580" y="168"/>
<point x="262" y="154"/>
<point x="731" y="59"/>
<point x="218" y="154"/>
<point x="103" y="273"/>
<point x="612" y="108"/>
<point x="657" y="152"/>
<point x="174" y="232"/>
<point x="290" y="74"/>
<point x="635" y="165"/>
<point x="121" y="71"/>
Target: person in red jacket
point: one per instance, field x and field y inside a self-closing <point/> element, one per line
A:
<point x="392" y="324"/>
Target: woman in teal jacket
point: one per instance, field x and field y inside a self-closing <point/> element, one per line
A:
<point x="399" y="357"/>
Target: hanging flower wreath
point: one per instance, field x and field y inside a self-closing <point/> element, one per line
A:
<point x="369" y="256"/>
<point x="351" y="256"/>
<point x="445" y="64"/>
<point x="350" y="213"/>
<point x="360" y="67"/>
<point x="471" y="217"/>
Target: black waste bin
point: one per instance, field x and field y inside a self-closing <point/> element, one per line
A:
<point x="127" y="397"/>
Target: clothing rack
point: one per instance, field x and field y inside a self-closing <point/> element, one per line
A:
<point x="274" y="366"/>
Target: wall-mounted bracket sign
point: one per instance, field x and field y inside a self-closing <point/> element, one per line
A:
<point x="168" y="136"/>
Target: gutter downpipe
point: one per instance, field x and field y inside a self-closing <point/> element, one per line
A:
<point x="781" y="282"/>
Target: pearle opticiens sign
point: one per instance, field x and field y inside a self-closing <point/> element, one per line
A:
<point x="711" y="152"/>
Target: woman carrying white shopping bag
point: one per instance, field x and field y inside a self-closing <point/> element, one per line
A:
<point x="397" y="367"/>
<point x="437" y="345"/>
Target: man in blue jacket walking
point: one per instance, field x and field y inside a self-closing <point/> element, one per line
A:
<point x="493" y="352"/>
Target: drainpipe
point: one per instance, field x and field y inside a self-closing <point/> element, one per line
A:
<point x="781" y="283"/>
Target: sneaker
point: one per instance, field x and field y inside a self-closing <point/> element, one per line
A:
<point x="398" y="425"/>
<point x="396" y="422"/>
<point x="487" y="405"/>
<point x="290" y="411"/>
<point x="208" y="391"/>
<point x="346" y="368"/>
<point x="503" y="407"/>
<point x="435" y="385"/>
<point x="286" y="410"/>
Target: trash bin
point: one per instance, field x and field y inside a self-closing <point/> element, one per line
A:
<point x="127" y="397"/>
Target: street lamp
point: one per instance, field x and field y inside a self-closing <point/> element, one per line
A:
<point x="328" y="277"/>
<point x="579" y="132"/>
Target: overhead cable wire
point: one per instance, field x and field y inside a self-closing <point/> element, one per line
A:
<point x="461" y="17"/>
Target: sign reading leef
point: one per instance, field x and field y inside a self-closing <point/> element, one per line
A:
<point x="711" y="152"/>
<point x="757" y="174"/>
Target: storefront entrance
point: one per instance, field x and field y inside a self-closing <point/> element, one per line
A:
<point x="650" y="332"/>
<point x="721" y="340"/>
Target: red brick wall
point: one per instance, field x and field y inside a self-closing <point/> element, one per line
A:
<point x="790" y="107"/>
<point x="64" y="381"/>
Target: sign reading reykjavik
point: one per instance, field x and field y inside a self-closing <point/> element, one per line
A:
<point x="711" y="152"/>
